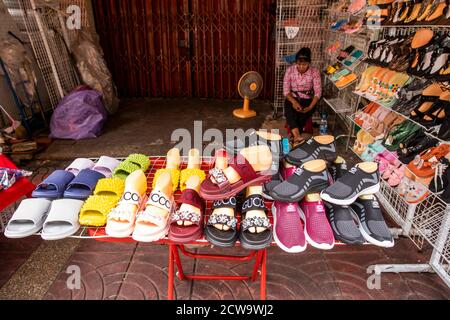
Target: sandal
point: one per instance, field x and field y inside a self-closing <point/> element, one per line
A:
<point x="436" y="11"/>
<point x="193" y="169"/>
<point x="133" y="163"/>
<point x="152" y="224"/>
<point x="121" y="219"/>
<point x="94" y="212"/>
<point x="217" y="186"/>
<point x="254" y="203"/>
<point x="172" y="166"/>
<point x="179" y="232"/>
<point x="218" y="237"/>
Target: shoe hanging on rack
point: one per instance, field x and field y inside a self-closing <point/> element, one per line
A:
<point x="440" y="58"/>
<point x="417" y="7"/>
<point x="426" y="9"/>
<point x="437" y="10"/>
<point x="429" y="96"/>
<point x="436" y="115"/>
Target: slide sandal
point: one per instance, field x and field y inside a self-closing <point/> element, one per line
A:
<point x="221" y="188"/>
<point x="257" y="240"/>
<point x="121" y="219"/>
<point x="183" y="233"/>
<point x="54" y="185"/>
<point x="28" y="218"/>
<point x="95" y="211"/>
<point x="110" y="187"/>
<point x="62" y="221"/>
<point x="106" y="166"/>
<point x="80" y="164"/>
<point x="222" y="238"/>
<point x="83" y="185"/>
<point x="142" y="161"/>
<point x="192" y="170"/>
<point x="125" y="169"/>
<point x="173" y="161"/>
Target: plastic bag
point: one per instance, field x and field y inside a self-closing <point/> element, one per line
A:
<point x="9" y="176"/>
<point x="93" y="69"/>
<point x="80" y="115"/>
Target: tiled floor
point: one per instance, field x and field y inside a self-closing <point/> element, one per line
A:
<point x="129" y="271"/>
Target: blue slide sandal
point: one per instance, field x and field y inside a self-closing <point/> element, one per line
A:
<point x="54" y="185"/>
<point x="83" y="185"/>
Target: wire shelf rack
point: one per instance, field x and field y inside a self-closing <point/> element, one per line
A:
<point x="308" y="16"/>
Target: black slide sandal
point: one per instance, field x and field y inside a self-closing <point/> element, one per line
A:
<point x="222" y="238"/>
<point x="255" y="241"/>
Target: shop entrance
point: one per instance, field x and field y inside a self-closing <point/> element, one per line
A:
<point x="186" y="48"/>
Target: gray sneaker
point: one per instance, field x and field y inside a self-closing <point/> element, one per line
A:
<point x="372" y="224"/>
<point x="352" y="185"/>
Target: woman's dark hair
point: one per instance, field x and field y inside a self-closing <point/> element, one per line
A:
<point x="304" y="55"/>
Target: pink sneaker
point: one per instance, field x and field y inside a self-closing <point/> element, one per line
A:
<point x="318" y="231"/>
<point x="289" y="229"/>
<point x="287" y="172"/>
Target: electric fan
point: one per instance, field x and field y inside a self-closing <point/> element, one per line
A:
<point x="249" y="88"/>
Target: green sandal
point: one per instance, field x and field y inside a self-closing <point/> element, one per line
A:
<point x="125" y="169"/>
<point x="140" y="160"/>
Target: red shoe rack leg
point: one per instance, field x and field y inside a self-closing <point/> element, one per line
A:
<point x="260" y="258"/>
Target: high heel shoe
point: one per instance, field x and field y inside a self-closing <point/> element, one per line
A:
<point x="435" y="116"/>
<point x="429" y="96"/>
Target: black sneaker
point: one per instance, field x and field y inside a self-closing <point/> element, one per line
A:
<point x="312" y="150"/>
<point x="372" y="224"/>
<point x="338" y="170"/>
<point x="233" y="147"/>
<point x="342" y="222"/>
<point x="269" y="186"/>
<point x="352" y="185"/>
<point x="299" y="184"/>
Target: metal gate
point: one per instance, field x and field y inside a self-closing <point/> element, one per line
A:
<point x="186" y="48"/>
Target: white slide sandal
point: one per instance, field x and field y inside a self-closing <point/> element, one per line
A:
<point x="28" y="218"/>
<point x="79" y="165"/>
<point x="106" y="166"/>
<point x="62" y="221"/>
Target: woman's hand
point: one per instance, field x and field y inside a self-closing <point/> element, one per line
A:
<point x="297" y="106"/>
<point x="306" y="110"/>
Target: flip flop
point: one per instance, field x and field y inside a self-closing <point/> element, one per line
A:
<point x="110" y="187"/>
<point x="62" y="220"/>
<point x="121" y="219"/>
<point x="54" y="185"/>
<point x="106" y="166"/>
<point x="79" y="165"/>
<point x="221" y="188"/>
<point x="186" y="234"/>
<point x="28" y="218"/>
<point x="83" y="185"/>
<point x="255" y="241"/>
<point x="222" y="238"/>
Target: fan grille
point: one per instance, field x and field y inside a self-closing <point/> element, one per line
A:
<point x="250" y="85"/>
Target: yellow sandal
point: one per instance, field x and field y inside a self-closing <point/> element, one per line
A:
<point x="172" y="166"/>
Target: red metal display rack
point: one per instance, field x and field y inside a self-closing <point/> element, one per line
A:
<point x="259" y="257"/>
